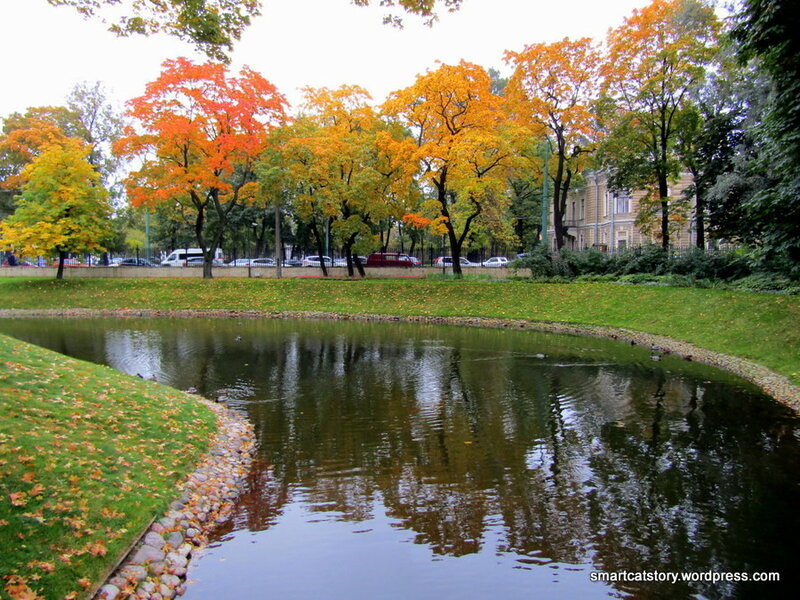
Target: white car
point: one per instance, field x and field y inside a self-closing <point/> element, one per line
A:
<point x="447" y="261"/>
<point x="252" y="262"/>
<point x="495" y="261"/>
<point x="316" y="261"/>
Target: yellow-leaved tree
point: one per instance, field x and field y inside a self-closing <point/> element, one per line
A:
<point x="464" y="146"/>
<point x="63" y="207"/>
<point x="553" y="90"/>
<point x="342" y="167"/>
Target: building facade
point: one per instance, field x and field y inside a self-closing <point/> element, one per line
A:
<point x="599" y="217"/>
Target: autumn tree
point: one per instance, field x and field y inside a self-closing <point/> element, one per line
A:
<point x="201" y="132"/>
<point x="87" y="116"/>
<point x="342" y="167"/>
<point x="655" y="60"/>
<point x="63" y="207"/>
<point x="464" y="143"/>
<point x="554" y="87"/>
<point x="23" y="137"/>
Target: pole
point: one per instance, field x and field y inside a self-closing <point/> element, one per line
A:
<point x="278" y="241"/>
<point x="546" y="194"/>
<point x="147" y="234"/>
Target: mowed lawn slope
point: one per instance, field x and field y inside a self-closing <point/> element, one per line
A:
<point x="88" y="456"/>
<point x="764" y="328"/>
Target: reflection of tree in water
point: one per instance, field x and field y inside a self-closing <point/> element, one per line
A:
<point x="580" y="465"/>
<point x="628" y="468"/>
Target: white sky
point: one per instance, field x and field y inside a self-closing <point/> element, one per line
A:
<point x="294" y="43"/>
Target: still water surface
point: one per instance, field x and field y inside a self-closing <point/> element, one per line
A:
<point x="399" y="461"/>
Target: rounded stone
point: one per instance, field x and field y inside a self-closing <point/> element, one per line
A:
<point x="108" y="592"/>
<point x="154" y="539"/>
<point x="176" y="559"/>
<point x="136" y="572"/>
<point x="158" y="567"/>
<point x="175" y="539"/>
<point x="147" y="554"/>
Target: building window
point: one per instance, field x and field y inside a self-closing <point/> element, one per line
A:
<point x="622" y="202"/>
<point x="583" y="209"/>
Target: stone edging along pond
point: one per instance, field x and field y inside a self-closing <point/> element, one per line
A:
<point x="157" y="566"/>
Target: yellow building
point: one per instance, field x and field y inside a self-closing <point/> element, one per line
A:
<point x="602" y="218"/>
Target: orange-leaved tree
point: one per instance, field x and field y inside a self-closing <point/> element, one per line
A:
<point x="201" y="132"/>
<point x="63" y="207"/>
<point x="656" y="60"/>
<point x="464" y="144"/>
<point x="553" y="89"/>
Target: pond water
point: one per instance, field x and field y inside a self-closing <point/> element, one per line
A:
<point x="404" y="461"/>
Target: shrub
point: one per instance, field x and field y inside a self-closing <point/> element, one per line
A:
<point x="642" y="259"/>
<point x="767" y="282"/>
<point x="590" y="261"/>
<point x="543" y="264"/>
<point x="703" y="264"/>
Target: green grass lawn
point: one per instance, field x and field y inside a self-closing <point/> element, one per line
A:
<point x="88" y="457"/>
<point x="760" y="327"/>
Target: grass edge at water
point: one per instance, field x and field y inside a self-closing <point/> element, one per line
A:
<point x="88" y="456"/>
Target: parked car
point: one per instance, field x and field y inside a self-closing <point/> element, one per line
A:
<point x="389" y="259"/>
<point x="316" y="261"/>
<point x="262" y="262"/>
<point x="292" y="262"/>
<point x="253" y="262"/>
<point x="495" y="261"/>
<point x="197" y="261"/>
<point x="181" y="258"/>
<point x="447" y="261"/>
<point x="132" y="262"/>
<point x="239" y="262"/>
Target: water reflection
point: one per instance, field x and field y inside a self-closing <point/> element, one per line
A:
<point x="513" y="462"/>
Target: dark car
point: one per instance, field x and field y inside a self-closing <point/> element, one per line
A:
<point x="134" y="262"/>
<point x="389" y="259"/>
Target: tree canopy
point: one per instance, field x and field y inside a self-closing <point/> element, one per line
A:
<point x="202" y="131"/>
<point x="63" y="207"/>
<point x="464" y="143"/>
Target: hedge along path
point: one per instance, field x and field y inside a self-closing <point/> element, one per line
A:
<point x="776" y="385"/>
<point x="88" y="457"/>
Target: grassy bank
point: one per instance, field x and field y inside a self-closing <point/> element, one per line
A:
<point x="760" y="327"/>
<point x="87" y="458"/>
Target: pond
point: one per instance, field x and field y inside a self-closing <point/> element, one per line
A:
<point x="410" y="461"/>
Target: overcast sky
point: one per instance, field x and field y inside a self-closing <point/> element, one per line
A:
<point x="294" y="43"/>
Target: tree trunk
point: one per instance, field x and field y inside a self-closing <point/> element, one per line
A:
<point x="359" y="266"/>
<point x="318" y="238"/>
<point x="62" y="255"/>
